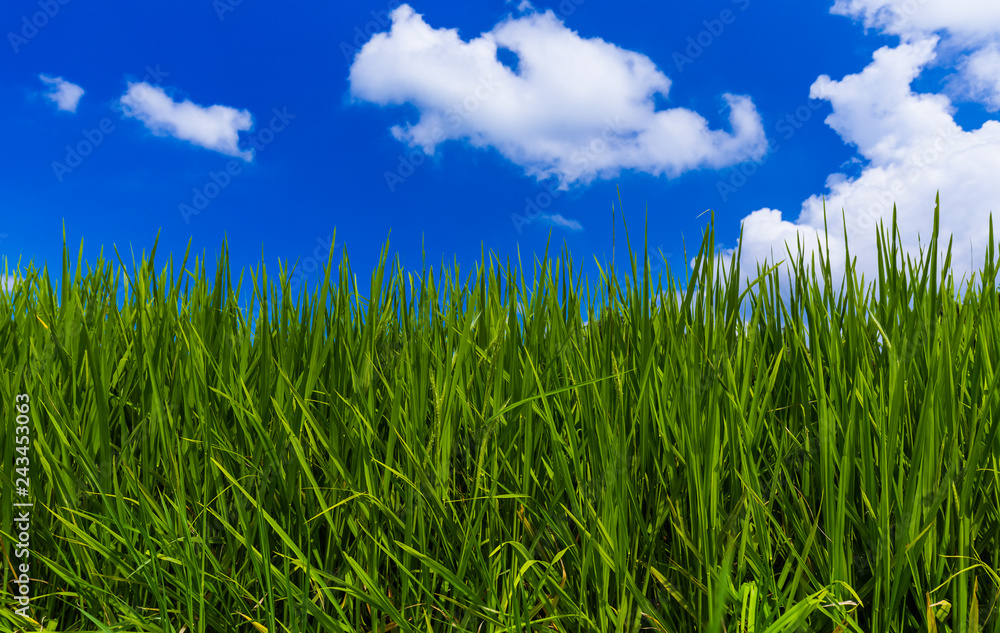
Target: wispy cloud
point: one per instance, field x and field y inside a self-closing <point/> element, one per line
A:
<point x="64" y="94"/>
<point x="215" y="127"/>
<point x="557" y="220"/>
<point x="523" y="5"/>
<point x="576" y="109"/>
<point x="979" y="79"/>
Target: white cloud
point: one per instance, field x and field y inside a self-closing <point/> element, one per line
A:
<point x="911" y="146"/>
<point x="64" y="94"/>
<point x="214" y="127"/>
<point x="968" y="20"/>
<point x="7" y="282"/>
<point x="968" y="29"/>
<point x="980" y="77"/>
<point x="557" y="220"/>
<point x="577" y="109"/>
<point x="523" y="5"/>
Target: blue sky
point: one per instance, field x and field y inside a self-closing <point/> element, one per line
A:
<point x="491" y="125"/>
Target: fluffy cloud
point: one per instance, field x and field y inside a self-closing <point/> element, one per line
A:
<point x="64" y="94"/>
<point x="980" y="77"/>
<point x="969" y="20"/>
<point x="969" y="29"/>
<point x="214" y="127"/>
<point x="910" y="145"/>
<point x="576" y="109"/>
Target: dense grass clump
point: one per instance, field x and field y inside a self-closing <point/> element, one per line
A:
<point x="467" y="455"/>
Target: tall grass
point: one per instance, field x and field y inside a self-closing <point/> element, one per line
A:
<point x="443" y="454"/>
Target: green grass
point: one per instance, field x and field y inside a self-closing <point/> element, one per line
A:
<point x="448" y="453"/>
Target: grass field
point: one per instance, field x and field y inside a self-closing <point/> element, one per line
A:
<point x="447" y="453"/>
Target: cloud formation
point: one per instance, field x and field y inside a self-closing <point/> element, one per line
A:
<point x="215" y="127"/>
<point x="968" y="20"/>
<point x="7" y="282"/>
<point x="980" y="77"/>
<point x="575" y="109"/>
<point x="558" y="220"/>
<point x="909" y="143"/>
<point x="64" y="94"/>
